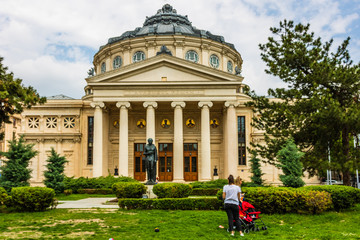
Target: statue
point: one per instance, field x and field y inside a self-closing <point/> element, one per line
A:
<point x="91" y="72"/>
<point x="151" y="158"/>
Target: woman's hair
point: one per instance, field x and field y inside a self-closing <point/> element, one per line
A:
<point x="238" y="181"/>
<point x="231" y="179"/>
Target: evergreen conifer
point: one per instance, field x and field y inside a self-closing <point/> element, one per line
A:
<point x="255" y="169"/>
<point x="54" y="175"/>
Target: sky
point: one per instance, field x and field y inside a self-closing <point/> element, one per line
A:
<point x="50" y="44"/>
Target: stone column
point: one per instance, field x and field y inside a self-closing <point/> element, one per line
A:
<point x="205" y="172"/>
<point x="231" y="146"/>
<point x="98" y="139"/>
<point x="150" y="119"/>
<point x="178" y="141"/>
<point x="123" y="164"/>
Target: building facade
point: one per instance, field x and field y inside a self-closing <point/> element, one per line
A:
<point x="166" y="80"/>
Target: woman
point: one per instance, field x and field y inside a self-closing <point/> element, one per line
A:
<point x="231" y="196"/>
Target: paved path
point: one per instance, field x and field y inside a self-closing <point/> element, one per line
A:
<point x="87" y="203"/>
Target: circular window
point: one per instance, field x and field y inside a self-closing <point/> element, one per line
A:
<point x="138" y="56"/>
<point x="192" y="56"/>
<point x="117" y="62"/>
<point x="103" y="67"/>
<point x="214" y="61"/>
<point x="230" y="67"/>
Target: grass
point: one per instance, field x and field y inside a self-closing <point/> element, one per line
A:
<point x="137" y="224"/>
<point x="73" y="197"/>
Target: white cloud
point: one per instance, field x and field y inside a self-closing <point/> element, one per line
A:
<point x="50" y="43"/>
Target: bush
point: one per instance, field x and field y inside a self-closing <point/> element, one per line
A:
<point x="32" y="198"/>
<point x="315" y="201"/>
<point x="171" y="203"/>
<point x="3" y="196"/>
<point x="204" y="191"/>
<point x="68" y="192"/>
<point x="129" y="189"/>
<point x="93" y="183"/>
<point x="219" y="183"/>
<point x="96" y="191"/>
<point x="172" y="190"/>
<point x="342" y="196"/>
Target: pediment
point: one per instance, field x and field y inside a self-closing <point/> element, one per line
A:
<point x="165" y="68"/>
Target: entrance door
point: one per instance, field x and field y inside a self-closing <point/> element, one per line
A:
<point x="165" y="161"/>
<point x="190" y="161"/>
<point x="139" y="163"/>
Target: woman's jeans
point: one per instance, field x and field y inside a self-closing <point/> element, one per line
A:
<point x="232" y="211"/>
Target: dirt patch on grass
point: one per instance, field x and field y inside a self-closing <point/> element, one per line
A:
<point x="79" y="234"/>
<point x="75" y="222"/>
<point x="102" y="210"/>
<point x="20" y="235"/>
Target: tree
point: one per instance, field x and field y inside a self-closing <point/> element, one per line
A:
<point x="255" y="169"/>
<point x="289" y="161"/>
<point x="320" y="109"/>
<point x="14" y="96"/>
<point x="54" y="175"/>
<point x="14" y="171"/>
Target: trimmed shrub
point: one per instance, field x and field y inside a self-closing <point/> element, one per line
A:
<point x="68" y="192"/>
<point x="314" y="201"/>
<point x="3" y="196"/>
<point x="171" y="203"/>
<point x="204" y="191"/>
<point x="342" y="196"/>
<point x="32" y="199"/>
<point x="129" y="189"/>
<point x="96" y="191"/>
<point x="172" y="190"/>
<point x="219" y="183"/>
<point x="93" y="183"/>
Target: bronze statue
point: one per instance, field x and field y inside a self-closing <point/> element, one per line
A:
<point x="151" y="158"/>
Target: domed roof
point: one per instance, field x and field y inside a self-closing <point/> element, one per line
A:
<point x="167" y="22"/>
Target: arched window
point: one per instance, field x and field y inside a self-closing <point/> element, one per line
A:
<point x="229" y="67"/>
<point x="138" y="56"/>
<point x="117" y="62"/>
<point x="214" y="61"/>
<point x="192" y="56"/>
<point x="103" y="67"/>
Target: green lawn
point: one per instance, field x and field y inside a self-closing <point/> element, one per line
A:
<point x="73" y="197"/>
<point x="136" y="224"/>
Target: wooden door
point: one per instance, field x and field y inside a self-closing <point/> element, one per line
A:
<point x="165" y="162"/>
<point x="190" y="161"/>
<point x="139" y="163"/>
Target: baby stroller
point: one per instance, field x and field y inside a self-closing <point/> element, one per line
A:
<point x="249" y="218"/>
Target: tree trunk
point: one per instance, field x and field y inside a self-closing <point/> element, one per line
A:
<point x="346" y="152"/>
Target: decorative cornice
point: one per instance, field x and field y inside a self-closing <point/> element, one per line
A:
<point x="180" y="104"/>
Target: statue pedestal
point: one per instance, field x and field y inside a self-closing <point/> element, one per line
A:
<point x="149" y="191"/>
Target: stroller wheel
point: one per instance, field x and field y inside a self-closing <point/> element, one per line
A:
<point x="246" y="230"/>
<point x="265" y="228"/>
<point x="257" y="229"/>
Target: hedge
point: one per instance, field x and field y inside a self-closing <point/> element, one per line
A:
<point x="286" y="200"/>
<point x="129" y="189"/>
<point x="96" y="191"/>
<point x="219" y="183"/>
<point x="171" y="203"/>
<point x="93" y="183"/>
<point x="172" y="190"/>
<point x="343" y="197"/>
<point x="32" y="199"/>
<point x="3" y="196"/>
<point x="204" y="191"/>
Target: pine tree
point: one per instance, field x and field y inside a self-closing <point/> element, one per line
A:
<point x="15" y="172"/>
<point x="289" y="157"/>
<point x="54" y="175"/>
<point x="255" y="169"/>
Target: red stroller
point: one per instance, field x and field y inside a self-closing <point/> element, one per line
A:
<point x="249" y="217"/>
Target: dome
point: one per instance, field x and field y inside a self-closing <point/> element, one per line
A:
<point x="167" y="22"/>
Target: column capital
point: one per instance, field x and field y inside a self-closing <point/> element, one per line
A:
<point x="123" y="104"/>
<point x="175" y="104"/>
<point x="231" y="104"/>
<point x="208" y="104"/>
<point x="97" y="104"/>
<point x="153" y="104"/>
